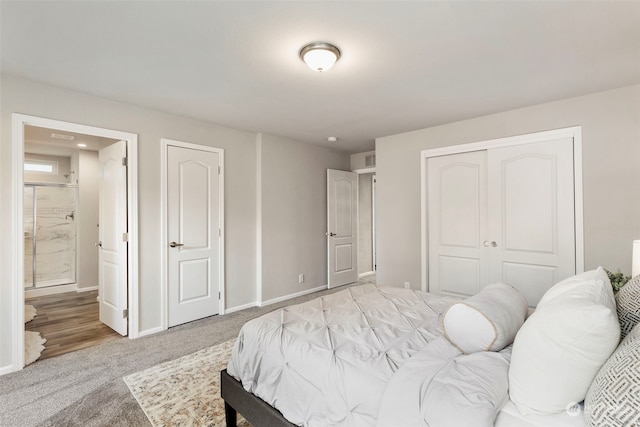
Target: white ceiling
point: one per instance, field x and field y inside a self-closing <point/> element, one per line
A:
<point x="405" y="65"/>
<point x="39" y="140"/>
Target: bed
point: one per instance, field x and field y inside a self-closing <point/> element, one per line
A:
<point x="371" y="355"/>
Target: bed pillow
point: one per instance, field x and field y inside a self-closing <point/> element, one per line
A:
<point x="560" y="348"/>
<point x="612" y="399"/>
<point x="587" y="284"/>
<point x="487" y="321"/>
<point x="628" y="305"/>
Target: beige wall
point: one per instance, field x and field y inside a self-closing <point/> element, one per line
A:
<point x="611" y="176"/>
<point x="293" y="191"/>
<point x="22" y="96"/>
<point x="64" y="164"/>
<point x="358" y="160"/>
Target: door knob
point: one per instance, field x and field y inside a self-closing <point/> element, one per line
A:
<point x="493" y="244"/>
<point x="330" y="234"/>
<point x="99" y="244"/>
<point x="174" y="244"/>
<point x="486" y="244"/>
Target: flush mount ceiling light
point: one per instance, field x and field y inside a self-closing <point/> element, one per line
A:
<point x="320" y="56"/>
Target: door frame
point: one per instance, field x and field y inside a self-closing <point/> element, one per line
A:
<point x="363" y="171"/>
<point x="574" y="132"/>
<point x="19" y="121"/>
<point x="164" y="242"/>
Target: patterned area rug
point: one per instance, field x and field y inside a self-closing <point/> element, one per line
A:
<point x="185" y="391"/>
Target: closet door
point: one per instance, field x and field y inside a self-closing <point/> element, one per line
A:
<point x="505" y="214"/>
<point x="457" y="216"/>
<point x="531" y="215"/>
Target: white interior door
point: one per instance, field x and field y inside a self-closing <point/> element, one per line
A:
<point x="342" y="227"/>
<point x="457" y="200"/>
<point x="194" y="233"/>
<point x="112" y="213"/>
<point x="532" y="218"/>
<point x="505" y="214"/>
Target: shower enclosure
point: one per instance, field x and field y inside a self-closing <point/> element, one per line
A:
<point x="50" y="234"/>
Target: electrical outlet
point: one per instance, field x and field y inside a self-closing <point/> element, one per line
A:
<point x="407" y="285"/>
<point x="300" y="278"/>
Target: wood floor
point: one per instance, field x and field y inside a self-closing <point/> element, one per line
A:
<point x="69" y="322"/>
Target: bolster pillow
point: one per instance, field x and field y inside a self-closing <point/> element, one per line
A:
<point x="487" y="321"/>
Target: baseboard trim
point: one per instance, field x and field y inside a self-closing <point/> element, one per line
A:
<point x="52" y="290"/>
<point x="8" y="370"/>
<point x="287" y="297"/>
<point x="368" y="273"/>
<point x="148" y="332"/>
<point x="87" y="289"/>
<point x="240" y="307"/>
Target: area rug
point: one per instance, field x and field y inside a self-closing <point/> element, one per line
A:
<point x="29" y="313"/>
<point x="185" y="391"/>
<point x="33" y="346"/>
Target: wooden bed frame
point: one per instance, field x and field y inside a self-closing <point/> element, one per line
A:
<point x="255" y="410"/>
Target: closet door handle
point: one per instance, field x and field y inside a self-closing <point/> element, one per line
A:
<point x="99" y="244"/>
<point x="175" y="245"/>
<point x="486" y="244"/>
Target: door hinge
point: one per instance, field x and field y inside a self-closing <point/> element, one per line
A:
<point x="219" y="232"/>
<point x="218" y="170"/>
<point x="219" y="296"/>
<point x="125" y="313"/>
<point x="125" y="237"/>
<point x="125" y="161"/>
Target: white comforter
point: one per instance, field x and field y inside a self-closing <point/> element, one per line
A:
<point x="328" y="362"/>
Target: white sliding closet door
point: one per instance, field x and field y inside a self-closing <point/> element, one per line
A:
<point x="504" y="214"/>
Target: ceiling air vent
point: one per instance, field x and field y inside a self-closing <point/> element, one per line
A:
<point x="370" y="160"/>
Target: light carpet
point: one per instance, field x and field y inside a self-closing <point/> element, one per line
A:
<point x="185" y="391"/>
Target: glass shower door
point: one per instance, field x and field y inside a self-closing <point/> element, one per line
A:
<point x="55" y="235"/>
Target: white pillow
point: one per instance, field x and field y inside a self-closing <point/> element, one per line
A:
<point x="487" y="321"/>
<point x="587" y="284"/>
<point x="560" y="348"/>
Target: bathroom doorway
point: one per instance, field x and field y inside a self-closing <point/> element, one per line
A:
<point x="128" y="283"/>
<point x="61" y="241"/>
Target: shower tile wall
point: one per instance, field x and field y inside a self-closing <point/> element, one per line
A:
<point x="55" y="236"/>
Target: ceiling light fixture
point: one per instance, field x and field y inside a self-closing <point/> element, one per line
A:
<point x="320" y="56"/>
<point x="332" y="139"/>
<point x="81" y="145"/>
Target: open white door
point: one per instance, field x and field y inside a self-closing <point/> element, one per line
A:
<point x="194" y="212"/>
<point x="113" y="237"/>
<point x="342" y="227"/>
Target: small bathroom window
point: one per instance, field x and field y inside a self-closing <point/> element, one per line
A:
<point x="41" y="166"/>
